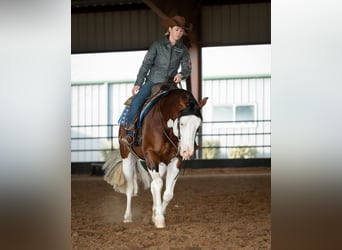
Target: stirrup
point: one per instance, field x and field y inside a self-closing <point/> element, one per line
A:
<point x="127" y="140"/>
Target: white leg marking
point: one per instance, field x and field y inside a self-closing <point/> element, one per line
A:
<point x="171" y="179"/>
<point x="162" y="169"/>
<point x="156" y="187"/>
<point x="128" y="170"/>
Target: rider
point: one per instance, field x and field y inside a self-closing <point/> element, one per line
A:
<point x="160" y="64"/>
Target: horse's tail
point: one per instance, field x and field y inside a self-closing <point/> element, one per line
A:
<point x="113" y="174"/>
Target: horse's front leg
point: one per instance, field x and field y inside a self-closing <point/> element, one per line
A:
<point x="171" y="179"/>
<point x="128" y="171"/>
<point x="156" y="187"/>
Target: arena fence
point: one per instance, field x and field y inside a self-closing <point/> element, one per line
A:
<point x="216" y="140"/>
<point x="236" y="130"/>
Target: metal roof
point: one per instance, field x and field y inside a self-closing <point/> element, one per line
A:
<point x="94" y="5"/>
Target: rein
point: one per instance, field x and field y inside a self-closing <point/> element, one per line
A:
<point x="189" y="110"/>
<point x="161" y="117"/>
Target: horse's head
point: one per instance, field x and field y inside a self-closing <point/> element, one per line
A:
<point x="186" y="125"/>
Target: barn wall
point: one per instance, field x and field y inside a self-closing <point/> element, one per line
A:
<point x="228" y="135"/>
<point x="236" y="24"/>
<point x="231" y="24"/>
<point x="114" y="30"/>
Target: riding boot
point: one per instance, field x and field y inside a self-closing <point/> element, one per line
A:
<point x="128" y="139"/>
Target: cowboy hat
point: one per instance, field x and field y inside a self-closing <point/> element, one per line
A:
<point x="176" y="21"/>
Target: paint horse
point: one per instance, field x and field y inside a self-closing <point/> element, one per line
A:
<point x="168" y="134"/>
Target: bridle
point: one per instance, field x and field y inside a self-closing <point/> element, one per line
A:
<point x="189" y="110"/>
<point x="161" y="118"/>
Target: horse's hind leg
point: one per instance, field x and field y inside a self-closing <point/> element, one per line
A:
<point x="156" y="187"/>
<point x="128" y="170"/>
<point x="171" y="179"/>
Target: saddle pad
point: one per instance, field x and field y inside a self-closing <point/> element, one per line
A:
<point x="149" y="106"/>
<point x="123" y="116"/>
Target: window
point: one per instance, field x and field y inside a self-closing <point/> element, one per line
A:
<point x="237" y="115"/>
<point x="244" y="113"/>
<point x="223" y="113"/>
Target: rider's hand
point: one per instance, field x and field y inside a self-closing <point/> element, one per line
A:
<point x="135" y="89"/>
<point x="177" y="78"/>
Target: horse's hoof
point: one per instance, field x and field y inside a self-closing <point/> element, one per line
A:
<point x="159" y="224"/>
<point x="127" y="220"/>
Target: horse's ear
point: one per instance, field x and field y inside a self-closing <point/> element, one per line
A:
<point x="203" y="102"/>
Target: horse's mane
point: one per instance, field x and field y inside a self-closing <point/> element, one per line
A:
<point x="192" y="106"/>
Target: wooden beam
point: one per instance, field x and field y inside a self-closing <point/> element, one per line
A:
<point x="155" y="8"/>
<point x="196" y="73"/>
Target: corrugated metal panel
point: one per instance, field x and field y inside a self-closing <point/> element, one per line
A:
<point x="236" y="24"/>
<point x="229" y="24"/>
<point x="114" y="31"/>
<point x="234" y="92"/>
<point x="119" y="93"/>
<point x="88" y="103"/>
<point x="239" y="91"/>
<point x="94" y="107"/>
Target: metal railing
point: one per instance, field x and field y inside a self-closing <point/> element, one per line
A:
<point x="216" y="140"/>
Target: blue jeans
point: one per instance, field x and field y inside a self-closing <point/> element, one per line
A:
<point x="138" y="100"/>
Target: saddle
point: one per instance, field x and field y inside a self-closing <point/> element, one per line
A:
<point x="158" y="90"/>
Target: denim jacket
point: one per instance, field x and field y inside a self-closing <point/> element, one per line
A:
<point x="162" y="61"/>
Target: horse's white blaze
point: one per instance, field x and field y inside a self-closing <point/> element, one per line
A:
<point x="188" y="126"/>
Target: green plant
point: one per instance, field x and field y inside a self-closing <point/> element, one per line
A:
<point x="244" y="152"/>
<point x="211" y="149"/>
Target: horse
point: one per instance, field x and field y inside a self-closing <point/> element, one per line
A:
<point x="168" y="132"/>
